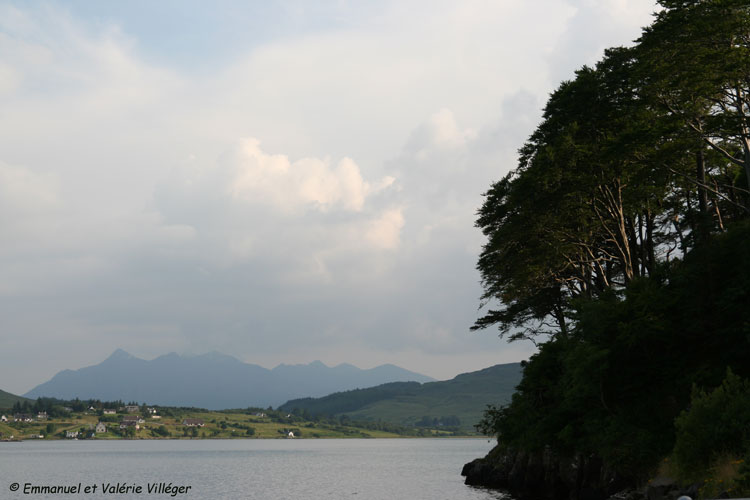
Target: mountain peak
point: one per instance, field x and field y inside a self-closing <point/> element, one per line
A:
<point x="120" y="354"/>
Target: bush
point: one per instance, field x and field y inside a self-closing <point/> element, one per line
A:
<point x="716" y="424"/>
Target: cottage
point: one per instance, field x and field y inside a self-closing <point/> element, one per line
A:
<point x="110" y="412"/>
<point x="192" y="422"/>
<point x="3" y="418"/>
<point x="152" y="411"/>
<point x="260" y="414"/>
<point x="42" y="415"/>
<point x="133" y="418"/>
<point x="71" y="434"/>
<point x="290" y="435"/>
<point x="131" y="408"/>
<point x="101" y="428"/>
<point x="22" y="417"/>
<point x="129" y="423"/>
<point x="156" y="416"/>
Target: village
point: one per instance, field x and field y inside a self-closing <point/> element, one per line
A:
<point x="132" y="421"/>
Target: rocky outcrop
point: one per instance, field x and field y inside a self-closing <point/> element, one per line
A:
<point x="545" y="475"/>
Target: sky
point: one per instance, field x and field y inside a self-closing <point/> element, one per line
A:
<point x="281" y="181"/>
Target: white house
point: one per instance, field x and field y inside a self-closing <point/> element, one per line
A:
<point x="71" y="434"/>
<point x="290" y="435"/>
<point x="100" y="428"/>
<point x="3" y="418"/>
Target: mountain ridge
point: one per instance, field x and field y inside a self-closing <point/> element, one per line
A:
<point x="460" y="400"/>
<point x="210" y="380"/>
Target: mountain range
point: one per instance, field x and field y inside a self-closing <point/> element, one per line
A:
<point x="212" y="380"/>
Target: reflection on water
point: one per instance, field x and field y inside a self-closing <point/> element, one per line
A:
<point x="255" y="469"/>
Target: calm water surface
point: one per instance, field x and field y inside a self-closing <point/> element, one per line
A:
<point x="393" y="469"/>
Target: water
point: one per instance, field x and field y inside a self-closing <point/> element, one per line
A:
<point x="354" y="469"/>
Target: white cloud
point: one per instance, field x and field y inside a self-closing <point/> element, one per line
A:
<point x="290" y="186"/>
<point x="385" y="230"/>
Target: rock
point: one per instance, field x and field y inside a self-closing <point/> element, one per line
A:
<point x="481" y="473"/>
<point x="548" y="475"/>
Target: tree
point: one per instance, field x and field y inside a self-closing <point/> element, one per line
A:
<point x="580" y="213"/>
<point x="697" y="54"/>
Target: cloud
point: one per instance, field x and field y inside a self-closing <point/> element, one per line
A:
<point x="290" y="186"/>
<point x="385" y="230"/>
<point x="23" y="191"/>
<point x="594" y="26"/>
<point x="314" y="187"/>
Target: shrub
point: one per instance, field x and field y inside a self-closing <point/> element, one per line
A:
<point x="717" y="423"/>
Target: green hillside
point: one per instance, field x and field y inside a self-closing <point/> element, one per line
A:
<point x="7" y="399"/>
<point x="459" y="402"/>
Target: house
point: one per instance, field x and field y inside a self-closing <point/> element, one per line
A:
<point x="152" y="411"/>
<point x="129" y="423"/>
<point x="110" y="412"/>
<point x="133" y="418"/>
<point x="22" y="417"/>
<point x="42" y="415"/>
<point x="100" y="428"/>
<point x="155" y="416"/>
<point x="3" y="418"/>
<point x="290" y="435"/>
<point x="71" y="434"/>
<point x="192" y="422"/>
<point x="131" y="408"/>
<point x="260" y="414"/>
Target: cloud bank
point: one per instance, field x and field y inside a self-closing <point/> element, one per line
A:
<point x="282" y="195"/>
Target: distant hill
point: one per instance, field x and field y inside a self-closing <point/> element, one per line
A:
<point x="411" y="403"/>
<point x="7" y="400"/>
<point x="213" y="381"/>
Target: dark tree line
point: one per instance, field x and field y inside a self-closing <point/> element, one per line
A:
<point x="621" y="245"/>
<point x="635" y="162"/>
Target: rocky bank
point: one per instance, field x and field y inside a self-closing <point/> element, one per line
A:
<point x="547" y="475"/>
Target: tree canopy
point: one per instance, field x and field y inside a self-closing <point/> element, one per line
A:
<point x="620" y="243"/>
<point x="636" y="160"/>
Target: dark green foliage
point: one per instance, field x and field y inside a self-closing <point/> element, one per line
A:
<point x="623" y="236"/>
<point x="717" y="422"/>
<point x="160" y="431"/>
<point x="615" y="385"/>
